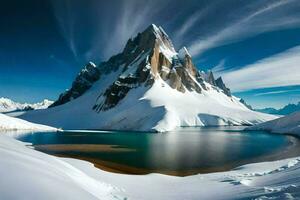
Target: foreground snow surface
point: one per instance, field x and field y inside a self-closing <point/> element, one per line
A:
<point x="29" y="174"/>
<point x="289" y="124"/>
<point x="10" y="123"/>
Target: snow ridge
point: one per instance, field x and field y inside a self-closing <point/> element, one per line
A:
<point x="289" y="124"/>
<point x="13" y="124"/>
<point x="7" y="105"/>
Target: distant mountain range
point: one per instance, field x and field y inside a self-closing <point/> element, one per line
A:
<point x="286" y="110"/>
<point x="148" y="87"/>
<point x="7" y="105"/>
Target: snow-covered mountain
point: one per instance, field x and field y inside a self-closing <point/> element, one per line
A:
<point x="149" y="86"/>
<point x="7" y="105"/>
<point x="286" y="110"/>
<point x="289" y="124"/>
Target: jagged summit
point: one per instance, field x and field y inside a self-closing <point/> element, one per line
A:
<point x="219" y="83"/>
<point x="148" y="86"/>
<point x="84" y="81"/>
<point x="183" y="52"/>
<point x="148" y="56"/>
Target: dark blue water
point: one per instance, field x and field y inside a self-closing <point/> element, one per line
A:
<point x="183" y="152"/>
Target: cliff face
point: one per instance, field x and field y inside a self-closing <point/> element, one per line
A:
<point x="84" y="81"/>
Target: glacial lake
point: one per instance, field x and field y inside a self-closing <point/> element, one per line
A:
<point x="185" y="151"/>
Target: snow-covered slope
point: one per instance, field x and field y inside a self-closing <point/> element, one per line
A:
<point x="289" y="124"/>
<point x="29" y="174"/>
<point x="7" y="105"/>
<point x="149" y="86"/>
<point x="9" y="123"/>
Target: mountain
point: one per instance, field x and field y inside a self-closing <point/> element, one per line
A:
<point x="7" y="105"/>
<point x="147" y="87"/>
<point x="286" y="110"/>
<point x="289" y="124"/>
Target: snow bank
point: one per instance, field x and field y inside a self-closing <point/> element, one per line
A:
<point x="28" y="174"/>
<point x="273" y="180"/>
<point x="285" y="125"/>
<point x="9" y="123"/>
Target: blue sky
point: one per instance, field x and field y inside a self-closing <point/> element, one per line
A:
<point x="254" y="45"/>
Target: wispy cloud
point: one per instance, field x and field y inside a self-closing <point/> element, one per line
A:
<point x="111" y="24"/>
<point x="127" y="25"/>
<point x="249" y="25"/>
<point x="205" y="24"/>
<point x="65" y="15"/>
<point x="275" y="71"/>
<point x="275" y="92"/>
<point x="192" y="20"/>
<point x="219" y="67"/>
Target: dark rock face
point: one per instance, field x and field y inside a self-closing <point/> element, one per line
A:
<point x="210" y="78"/>
<point x="220" y="84"/>
<point x="140" y="56"/>
<point x="116" y="92"/>
<point x="147" y="57"/>
<point x="27" y="108"/>
<point x="82" y="83"/>
<point x="247" y="105"/>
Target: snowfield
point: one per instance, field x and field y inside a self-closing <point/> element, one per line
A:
<point x="29" y="174"/>
<point x="9" y="123"/>
<point x="285" y="125"/>
<point x="147" y="109"/>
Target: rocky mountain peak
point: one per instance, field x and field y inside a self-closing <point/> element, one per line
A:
<point x="220" y="84"/>
<point x="147" y="57"/>
<point x="210" y="78"/>
<point x="84" y="80"/>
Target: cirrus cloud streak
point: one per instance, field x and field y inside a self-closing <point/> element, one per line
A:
<point x="278" y="70"/>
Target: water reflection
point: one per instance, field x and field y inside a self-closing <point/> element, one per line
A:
<point x="184" y="151"/>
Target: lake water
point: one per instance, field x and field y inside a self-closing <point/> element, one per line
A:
<point x="183" y="152"/>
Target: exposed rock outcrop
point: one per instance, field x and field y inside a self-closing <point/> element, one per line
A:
<point x="82" y="83"/>
<point x="245" y="104"/>
<point x="220" y="84"/>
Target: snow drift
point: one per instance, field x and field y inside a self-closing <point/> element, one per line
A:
<point x="9" y="123"/>
<point x="147" y="87"/>
<point x="285" y="125"/>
